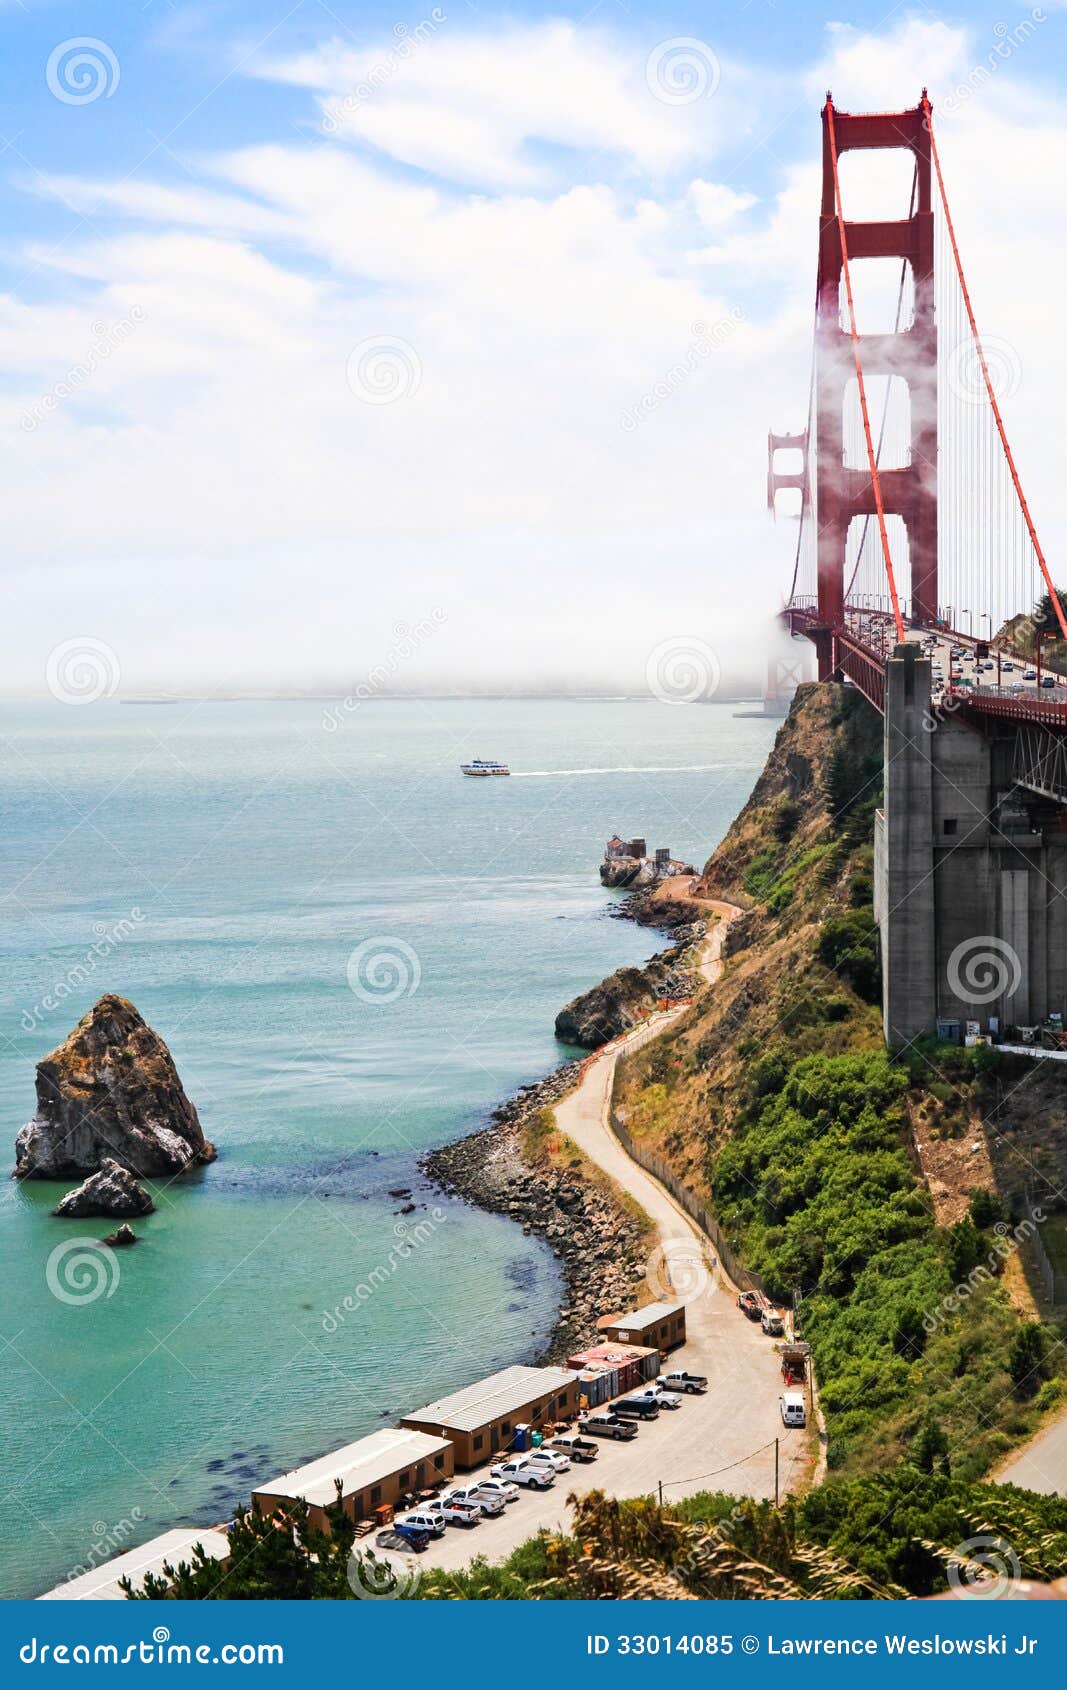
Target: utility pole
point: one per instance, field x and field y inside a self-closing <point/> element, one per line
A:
<point x="660" y="1485"/>
<point x="776" y="1472"/>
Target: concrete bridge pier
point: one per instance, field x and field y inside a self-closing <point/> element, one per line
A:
<point x="904" y="903"/>
<point x="970" y="884"/>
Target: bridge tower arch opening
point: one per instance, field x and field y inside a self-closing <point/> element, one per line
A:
<point x="908" y="490"/>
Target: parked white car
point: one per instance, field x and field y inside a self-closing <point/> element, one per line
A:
<point x="499" y="1487"/>
<point x="521" y="1471"/>
<point x="553" y="1458"/>
<point x="429" y="1519"/>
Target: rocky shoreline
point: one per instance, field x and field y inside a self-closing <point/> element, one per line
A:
<point x="601" y="1245"/>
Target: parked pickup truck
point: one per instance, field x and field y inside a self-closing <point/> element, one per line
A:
<point x="459" y="1513"/>
<point x="578" y="1449"/>
<point x="771" y="1321"/>
<point x="637" y="1408"/>
<point x="521" y="1471"/>
<point x="661" y="1395"/>
<point x="608" y="1426"/>
<point x="471" y="1494"/>
<point x="694" y="1384"/>
<point x="752" y="1303"/>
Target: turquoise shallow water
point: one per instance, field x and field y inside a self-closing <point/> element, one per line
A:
<point x="227" y="860"/>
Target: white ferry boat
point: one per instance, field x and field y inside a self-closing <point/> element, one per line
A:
<point x="484" y="766"/>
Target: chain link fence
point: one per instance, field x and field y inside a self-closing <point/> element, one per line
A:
<point x="660" y="1170"/>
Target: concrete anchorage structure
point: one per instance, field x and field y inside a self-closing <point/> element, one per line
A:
<point x="970" y="869"/>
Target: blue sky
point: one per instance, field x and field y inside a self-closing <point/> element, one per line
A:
<point x="220" y="246"/>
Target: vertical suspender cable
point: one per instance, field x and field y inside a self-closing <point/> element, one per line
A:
<point x="875" y="482"/>
<point x="997" y="418"/>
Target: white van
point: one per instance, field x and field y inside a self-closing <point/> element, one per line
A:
<point x="792" y="1405"/>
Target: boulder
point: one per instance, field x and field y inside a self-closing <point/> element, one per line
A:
<point x="112" y="1190"/>
<point x="124" y="1235"/>
<point x="110" y="1091"/>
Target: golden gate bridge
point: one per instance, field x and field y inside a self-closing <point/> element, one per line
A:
<point x="912" y="514"/>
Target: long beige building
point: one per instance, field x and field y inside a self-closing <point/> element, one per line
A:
<point x="101" y="1584"/>
<point x="480" y="1421"/>
<point x="374" y="1472"/>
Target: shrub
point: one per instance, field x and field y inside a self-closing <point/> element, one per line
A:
<point x="849" y="945"/>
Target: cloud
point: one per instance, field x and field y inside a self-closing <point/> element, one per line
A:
<point x="490" y="108"/>
<point x="605" y="313"/>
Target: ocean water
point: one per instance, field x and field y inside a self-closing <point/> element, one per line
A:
<point x="353" y="954"/>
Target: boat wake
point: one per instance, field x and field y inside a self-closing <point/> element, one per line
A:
<point x="621" y="769"/>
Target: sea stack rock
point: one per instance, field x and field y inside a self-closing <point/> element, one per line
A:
<point x="111" y="1191"/>
<point x="110" y="1091"/>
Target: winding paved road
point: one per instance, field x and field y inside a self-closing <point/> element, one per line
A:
<point x="722" y="1441"/>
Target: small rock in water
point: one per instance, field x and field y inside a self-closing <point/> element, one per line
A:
<point x="401" y="1191"/>
<point x="124" y="1235"/>
<point x="111" y="1191"/>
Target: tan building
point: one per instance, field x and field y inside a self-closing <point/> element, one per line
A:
<point x="481" y="1419"/>
<point x="101" y="1584"/>
<point x="660" y="1326"/>
<point x="375" y="1472"/>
